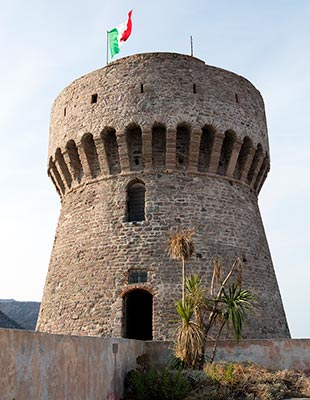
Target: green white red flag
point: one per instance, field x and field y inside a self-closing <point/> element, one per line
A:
<point x="117" y="36"/>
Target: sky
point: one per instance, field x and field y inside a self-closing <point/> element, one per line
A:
<point x="45" y="45"/>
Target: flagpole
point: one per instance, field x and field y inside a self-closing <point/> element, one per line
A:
<point x="192" y="50"/>
<point x="107" y="47"/>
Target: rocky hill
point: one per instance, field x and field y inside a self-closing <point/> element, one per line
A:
<point x="8" y="323"/>
<point x="22" y="313"/>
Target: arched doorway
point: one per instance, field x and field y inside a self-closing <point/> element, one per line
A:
<point x="138" y="306"/>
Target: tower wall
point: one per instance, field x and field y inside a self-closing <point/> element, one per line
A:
<point x="195" y="136"/>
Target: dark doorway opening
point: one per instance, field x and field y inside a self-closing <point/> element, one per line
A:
<point x="138" y="305"/>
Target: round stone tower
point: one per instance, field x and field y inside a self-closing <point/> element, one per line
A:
<point x="146" y="144"/>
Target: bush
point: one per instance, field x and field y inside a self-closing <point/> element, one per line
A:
<point x="220" y="381"/>
<point x="224" y="381"/>
<point x="156" y="384"/>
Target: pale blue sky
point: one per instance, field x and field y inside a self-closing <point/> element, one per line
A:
<point x="44" y="45"/>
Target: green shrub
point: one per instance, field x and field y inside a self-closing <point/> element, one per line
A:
<point x="156" y="384"/>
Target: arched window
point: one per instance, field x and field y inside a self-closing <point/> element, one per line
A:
<point x="136" y="201"/>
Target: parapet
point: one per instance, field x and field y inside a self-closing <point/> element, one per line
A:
<point x="158" y="112"/>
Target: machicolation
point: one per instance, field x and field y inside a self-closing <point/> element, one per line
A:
<point x="148" y="143"/>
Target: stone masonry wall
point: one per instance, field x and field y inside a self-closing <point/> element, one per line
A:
<point x="95" y="248"/>
<point x="212" y="162"/>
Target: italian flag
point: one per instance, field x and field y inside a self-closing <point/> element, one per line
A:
<point x="119" y="35"/>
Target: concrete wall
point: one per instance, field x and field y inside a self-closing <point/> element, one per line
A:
<point x="275" y="354"/>
<point x="40" y="366"/>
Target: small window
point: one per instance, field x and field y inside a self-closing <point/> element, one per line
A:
<point x="137" y="276"/>
<point x="136" y="202"/>
<point x="94" y="98"/>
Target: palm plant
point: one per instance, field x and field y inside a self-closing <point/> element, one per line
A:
<point x="219" y="283"/>
<point x="180" y="246"/>
<point x="224" y="304"/>
<point x="234" y="305"/>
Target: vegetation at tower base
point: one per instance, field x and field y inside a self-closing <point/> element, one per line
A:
<point x="203" y="310"/>
<point x="225" y="304"/>
<point x="220" y="381"/>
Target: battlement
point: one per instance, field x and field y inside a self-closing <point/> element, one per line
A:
<point x="158" y="112"/>
<point x="136" y="149"/>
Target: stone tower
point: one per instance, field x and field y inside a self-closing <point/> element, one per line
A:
<point x="148" y="143"/>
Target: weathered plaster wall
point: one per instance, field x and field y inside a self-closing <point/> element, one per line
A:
<point x="40" y="366"/>
<point x="275" y="354"/>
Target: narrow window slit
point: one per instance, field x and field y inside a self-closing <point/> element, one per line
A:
<point x="65" y="111"/>
<point x="136" y="202"/>
<point x="237" y="98"/>
<point x="141" y="88"/>
<point x="194" y="88"/>
<point x="94" y="98"/>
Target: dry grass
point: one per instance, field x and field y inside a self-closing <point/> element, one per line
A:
<point x="247" y="382"/>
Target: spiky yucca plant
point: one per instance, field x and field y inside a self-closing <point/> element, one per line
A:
<point x="224" y="304"/>
<point x="190" y="336"/>
<point x="234" y="304"/>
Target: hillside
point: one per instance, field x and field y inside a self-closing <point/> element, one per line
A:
<point x="24" y="313"/>
<point x="8" y="323"/>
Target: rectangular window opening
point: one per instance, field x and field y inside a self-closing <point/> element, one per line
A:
<point x="141" y="88"/>
<point x="194" y="88"/>
<point x="65" y="111"/>
<point x="94" y="98"/>
<point x="137" y="276"/>
<point x="237" y="98"/>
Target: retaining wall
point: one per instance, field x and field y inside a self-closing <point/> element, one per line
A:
<point x="42" y="366"/>
<point x="275" y="354"/>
